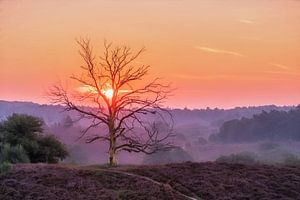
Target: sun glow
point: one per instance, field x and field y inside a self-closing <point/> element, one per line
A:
<point x="109" y="93"/>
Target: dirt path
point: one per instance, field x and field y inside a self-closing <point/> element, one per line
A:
<point x="195" y="197"/>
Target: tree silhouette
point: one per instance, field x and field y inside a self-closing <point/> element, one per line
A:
<point x="113" y="101"/>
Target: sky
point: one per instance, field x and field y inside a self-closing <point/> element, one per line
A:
<point x="215" y="53"/>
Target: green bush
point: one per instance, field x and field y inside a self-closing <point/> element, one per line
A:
<point x="50" y="150"/>
<point x="24" y="133"/>
<point x="239" y="158"/>
<point x="5" y="167"/>
<point x="20" y="127"/>
<point x="13" y="154"/>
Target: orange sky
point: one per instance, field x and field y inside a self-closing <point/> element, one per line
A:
<point x="217" y="53"/>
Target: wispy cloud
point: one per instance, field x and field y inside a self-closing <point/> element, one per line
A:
<point x="206" y="77"/>
<point x="218" y="51"/>
<point x="245" y="21"/>
<point x="282" y="69"/>
<point x="283" y="72"/>
<point x="279" y="66"/>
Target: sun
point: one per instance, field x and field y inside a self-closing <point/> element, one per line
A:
<point x="109" y="93"/>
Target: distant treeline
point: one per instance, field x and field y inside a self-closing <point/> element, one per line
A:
<point x="215" y="117"/>
<point x="273" y="125"/>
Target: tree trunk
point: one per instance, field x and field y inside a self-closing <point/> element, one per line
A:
<point x="112" y="145"/>
<point x="112" y="155"/>
<point x="112" y="142"/>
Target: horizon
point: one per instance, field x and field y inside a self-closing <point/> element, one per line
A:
<point x="245" y="55"/>
<point x="172" y="108"/>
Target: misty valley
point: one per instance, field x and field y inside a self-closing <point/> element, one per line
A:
<point x="265" y="134"/>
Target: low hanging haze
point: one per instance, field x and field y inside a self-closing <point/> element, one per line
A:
<point x="216" y="53"/>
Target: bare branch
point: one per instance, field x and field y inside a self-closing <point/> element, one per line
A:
<point x="125" y="112"/>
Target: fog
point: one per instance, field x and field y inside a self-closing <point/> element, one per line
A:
<point x="196" y="133"/>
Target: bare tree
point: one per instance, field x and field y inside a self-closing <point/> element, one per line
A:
<point x="108" y="87"/>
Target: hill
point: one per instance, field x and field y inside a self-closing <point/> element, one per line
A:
<point x="172" y="181"/>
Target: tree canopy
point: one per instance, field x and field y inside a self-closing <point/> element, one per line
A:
<point x="22" y="136"/>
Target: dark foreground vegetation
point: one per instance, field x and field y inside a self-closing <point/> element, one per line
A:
<point x="22" y="140"/>
<point x="171" y="181"/>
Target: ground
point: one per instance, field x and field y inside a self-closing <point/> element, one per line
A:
<point x="173" y="181"/>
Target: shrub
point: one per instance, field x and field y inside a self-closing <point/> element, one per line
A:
<point x="5" y="167"/>
<point x="276" y="156"/>
<point x="13" y="154"/>
<point x="25" y="133"/>
<point x="50" y="150"/>
<point x="292" y="159"/>
<point x="20" y="127"/>
<point x="239" y="158"/>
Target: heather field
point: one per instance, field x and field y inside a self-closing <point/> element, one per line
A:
<point x="228" y="181"/>
<point x="173" y="181"/>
